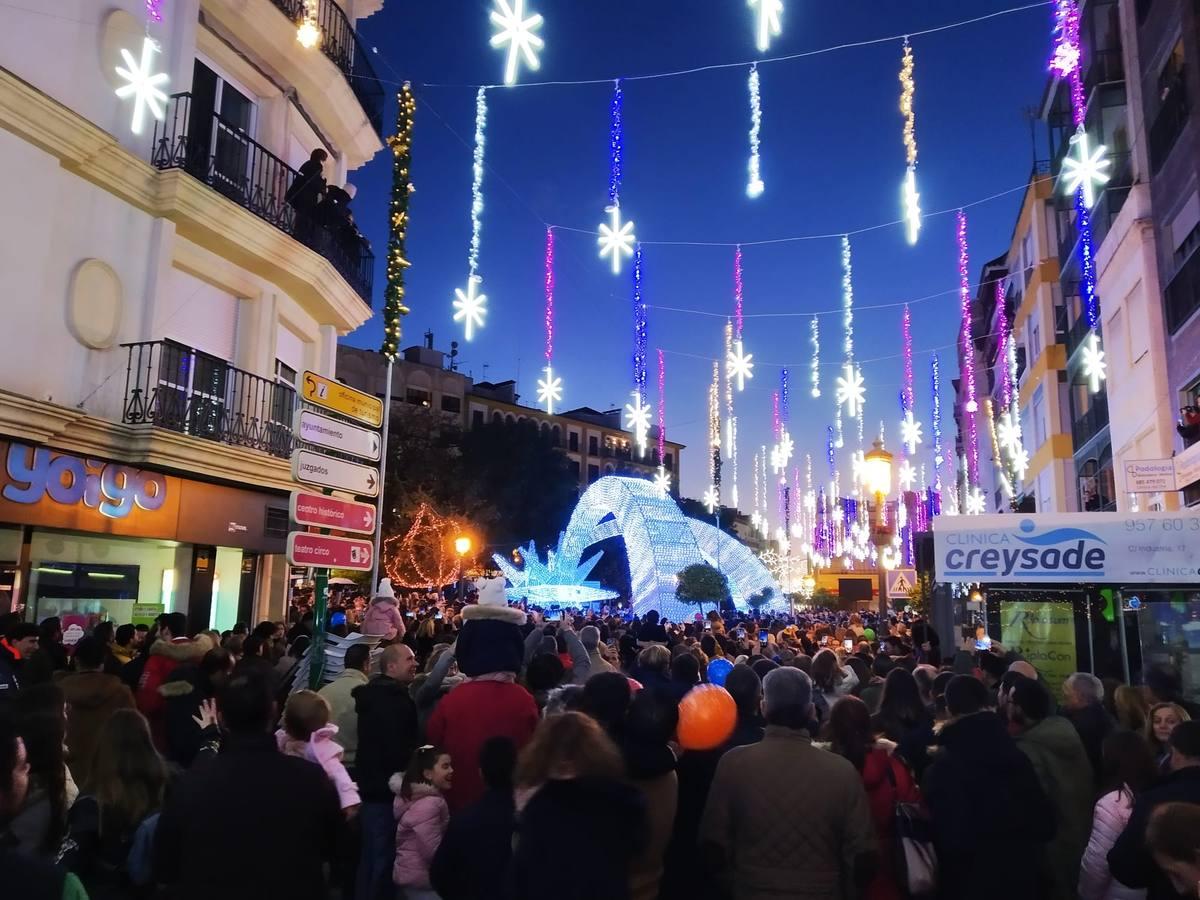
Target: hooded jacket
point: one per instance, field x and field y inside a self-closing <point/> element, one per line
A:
<point x="888" y="782"/>
<point x="339" y="694"/>
<point x="1062" y="767"/>
<point x="91" y="698"/>
<point x="1013" y="819"/>
<point x="420" y="826"/>
<point x="387" y="735"/>
<point x="1108" y="821"/>
<point x="323" y="749"/>
<point x="164" y="658"/>
<point x="1129" y="860"/>
<point x="383" y="619"/>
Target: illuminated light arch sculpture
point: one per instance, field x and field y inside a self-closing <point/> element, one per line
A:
<point x="660" y="541"/>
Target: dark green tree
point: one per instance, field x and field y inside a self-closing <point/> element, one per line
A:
<point x="761" y="599"/>
<point x="699" y="584"/>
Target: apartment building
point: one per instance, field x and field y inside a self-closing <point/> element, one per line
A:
<point x="171" y="271"/>
<point x="594" y="440"/>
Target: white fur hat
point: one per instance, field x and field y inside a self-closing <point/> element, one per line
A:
<point x="493" y="606"/>
<point x="385" y="591"/>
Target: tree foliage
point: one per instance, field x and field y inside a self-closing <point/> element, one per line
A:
<point x="762" y="598"/>
<point x="700" y="583"/>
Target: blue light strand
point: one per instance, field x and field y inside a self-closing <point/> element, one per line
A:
<point x="784" y="405"/>
<point x="1087" y="261"/>
<point x="639" y="327"/>
<point x="616" y="143"/>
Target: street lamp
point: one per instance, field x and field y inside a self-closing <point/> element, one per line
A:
<point x="877" y="478"/>
<point x="462" y="546"/>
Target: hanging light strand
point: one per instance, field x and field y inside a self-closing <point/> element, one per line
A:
<point x="738" y="311"/>
<point x="639" y="327"/>
<point x="815" y="366"/>
<point x="755" y="186"/>
<point x="549" y="295"/>
<point x="662" y="407"/>
<point x="935" y="377"/>
<point x="967" y="351"/>
<point x="481" y="113"/>
<point x="911" y="198"/>
<point x="616" y="145"/>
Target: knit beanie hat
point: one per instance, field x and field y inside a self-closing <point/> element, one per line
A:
<point x="491" y="639"/>
<point x="385" y="591"/>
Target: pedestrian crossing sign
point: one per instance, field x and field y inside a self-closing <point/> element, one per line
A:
<point x="900" y="582"/>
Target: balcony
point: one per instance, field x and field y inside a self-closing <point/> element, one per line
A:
<point x="214" y="151"/>
<point x="1103" y="67"/>
<point x="1182" y="296"/>
<point x="1169" y="123"/>
<point x="1091" y="423"/>
<point x="183" y="390"/>
<point x="341" y="46"/>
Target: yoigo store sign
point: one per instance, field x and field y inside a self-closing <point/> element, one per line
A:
<point x="1149" y="548"/>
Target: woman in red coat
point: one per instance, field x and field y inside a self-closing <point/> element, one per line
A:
<point x="886" y="779"/>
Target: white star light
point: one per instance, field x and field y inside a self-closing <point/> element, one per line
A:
<point x="1008" y="434"/>
<point x="778" y="461"/>
<point x="910" y="432"/>
<point x="518" y="32"/>
<point x="662" y="480"/>
<point x="1086" y="169"/>
<point x="616" y="239"/>
<point x="912" y="205"/>
<point x="740" y="365"/>
<point x="1094" y="366"/>
<point x="976" y="503"/>
<point x="786" y="447"/>
<point x="850" y="390"/>
<point x="769" y="21"/>
<point x="711" y="499"/>
<point x="637" y="420"/>
<point x="549" y="390"/>
<point x="142" y="85"/>
<point x="906" y="475"/>
<point x="1020" y="462"/>
<point x="471" y="307"/>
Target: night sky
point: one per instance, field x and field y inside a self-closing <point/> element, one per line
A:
<point x="832" y="159"/>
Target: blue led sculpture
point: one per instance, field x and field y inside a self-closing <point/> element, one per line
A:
<point x="660" y="542"/>
<point x="560" y="581"/>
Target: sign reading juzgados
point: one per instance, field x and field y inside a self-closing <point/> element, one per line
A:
<point x="335" y="396"/>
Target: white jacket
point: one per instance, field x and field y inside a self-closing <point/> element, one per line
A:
<point x="1108" y="821"/>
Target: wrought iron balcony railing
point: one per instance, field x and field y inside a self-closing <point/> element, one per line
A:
<point x="189" y="392"/>
<point x="341" y="45"/>
<point x="215" y="151"/>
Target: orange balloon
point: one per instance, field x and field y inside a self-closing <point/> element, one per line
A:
<point x="707" y="716"/>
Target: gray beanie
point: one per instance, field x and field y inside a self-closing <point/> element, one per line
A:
<point x="785" y="688"/>
<point x="589" y="636"/>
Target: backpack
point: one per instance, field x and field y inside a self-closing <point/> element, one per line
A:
<point x="915" y="856"/>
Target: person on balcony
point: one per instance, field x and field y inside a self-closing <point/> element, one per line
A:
<point x="305" y="192"/>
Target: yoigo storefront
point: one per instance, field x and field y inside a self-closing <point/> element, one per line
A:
<point x="1099" y="592"/>
<point x="88" y="539"/>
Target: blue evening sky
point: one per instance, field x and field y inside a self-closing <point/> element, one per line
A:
<point x="832" y="160"/>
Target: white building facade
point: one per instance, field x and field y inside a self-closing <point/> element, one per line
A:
<point x="165" y="279"/>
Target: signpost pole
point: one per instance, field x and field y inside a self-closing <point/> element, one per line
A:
<point x="383" y="461"/>
<point x="316" y="650"/>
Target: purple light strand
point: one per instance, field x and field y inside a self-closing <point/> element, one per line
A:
<point x="775" y="420"/>
<point x="549" y="295"/>
<point x="737" y="293"/>
<point x="616" y="144"/>
<point x="785" y="415"/>
<point x="154" y="10"/>
<point x="639" y="327"/>
<point x="968" y="350"/>
<point x="1006" y="335"/>
<point x="906" y="402"/>
<point x="662" y="407"/>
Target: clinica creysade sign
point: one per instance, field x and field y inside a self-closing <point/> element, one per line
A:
<point x="1084" y="547"/>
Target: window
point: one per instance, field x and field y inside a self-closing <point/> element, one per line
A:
<point x="1038" y="407"/>
<point x="670" y="462"/>
<point x="573" y="441"/>
<point x="593" y="446"/>
<point x="191" y="390"/>
<point x="220" y="118"/>
<point x="593" y="473"/>
<point x="284" y="399"/>
<point x="1035" y="339"/>
<point x="575" y="468"/>
<point x="451" y="404"/>
<point x="418" y="397"/>
<point x="477" y="418"/>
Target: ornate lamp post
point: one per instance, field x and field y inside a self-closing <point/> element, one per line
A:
<point x="462" y="546"/>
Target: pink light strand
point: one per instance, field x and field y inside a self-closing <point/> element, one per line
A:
<point x="908" y="360"/>
<point x="1006" y="385"/>
<point x="662" y="407"/>
<point x="549" y="294"/>
<point x="154" y="10"/>
<point x="737" y="293"/>
<point x="1067" y="60"/>
<point x="967" y="351"/>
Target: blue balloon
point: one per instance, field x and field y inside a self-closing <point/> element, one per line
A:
<point x="718" y="671"/>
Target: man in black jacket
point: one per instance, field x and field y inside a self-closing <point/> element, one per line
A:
<point x="986" y="804"/>
<point x="1129" y="860"/>
<point x="284" y="824"/>
<point x="1083" y="704"/>
<point x="387" y="736"/>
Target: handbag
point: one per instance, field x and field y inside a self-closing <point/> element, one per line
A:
<point x="915" y="856"/>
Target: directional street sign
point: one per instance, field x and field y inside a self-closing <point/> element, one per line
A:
<point x="900" y="582"/>
<point x="335" y="396"/>
<point x="325" y="551"/>
<point x="338" y="474"/>
<point x="321" y="511"/>
<point x="334" y="434"/>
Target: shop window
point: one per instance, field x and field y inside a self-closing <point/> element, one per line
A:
<point x="451" y="404"/>
<point x="82" y="594"/>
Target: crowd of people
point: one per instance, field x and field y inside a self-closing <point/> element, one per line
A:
<point x="491" y="751"/>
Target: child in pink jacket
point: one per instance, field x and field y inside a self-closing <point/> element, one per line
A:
<point x="421" y="818"/>
<point x="383" y="618"/>
<point x="306" y="733"/>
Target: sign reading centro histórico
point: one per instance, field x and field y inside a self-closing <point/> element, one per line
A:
<point x="1148" y="548"/>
